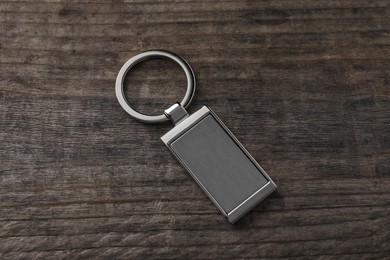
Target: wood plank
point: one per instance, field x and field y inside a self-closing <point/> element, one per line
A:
<point x="304" y="85"/>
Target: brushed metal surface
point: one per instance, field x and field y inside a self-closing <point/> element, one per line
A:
<point x="219" y="164"/>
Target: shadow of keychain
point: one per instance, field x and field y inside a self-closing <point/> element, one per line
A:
<point x="213" y="156"/>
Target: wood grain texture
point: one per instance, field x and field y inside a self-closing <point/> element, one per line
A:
<point x="304" y="85"/>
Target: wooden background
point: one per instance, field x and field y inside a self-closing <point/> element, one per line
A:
<point x="303" y="84"/>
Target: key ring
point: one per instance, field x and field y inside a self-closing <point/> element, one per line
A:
<point x="148" y="55"/>
<point x="202" y="143"/>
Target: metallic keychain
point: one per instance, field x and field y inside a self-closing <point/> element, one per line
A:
<point x="214" y="157"/>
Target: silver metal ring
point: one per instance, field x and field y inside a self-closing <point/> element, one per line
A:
<point x="147" y="55"/>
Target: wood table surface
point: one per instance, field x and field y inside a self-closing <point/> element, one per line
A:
<point x="304" y="85"/>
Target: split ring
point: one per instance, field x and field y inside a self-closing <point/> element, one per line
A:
<point x="148" y="55"/>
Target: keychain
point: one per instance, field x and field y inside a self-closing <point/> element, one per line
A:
<point x="213" y="156"/>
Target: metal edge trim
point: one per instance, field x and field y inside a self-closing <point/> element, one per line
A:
<point x="185" y="124"/>
<point x="251" y="202"/>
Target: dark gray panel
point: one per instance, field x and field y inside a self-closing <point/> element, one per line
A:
<point x="219" y="163"/>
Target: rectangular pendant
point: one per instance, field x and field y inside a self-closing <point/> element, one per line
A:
<point x="214" y="157"/>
